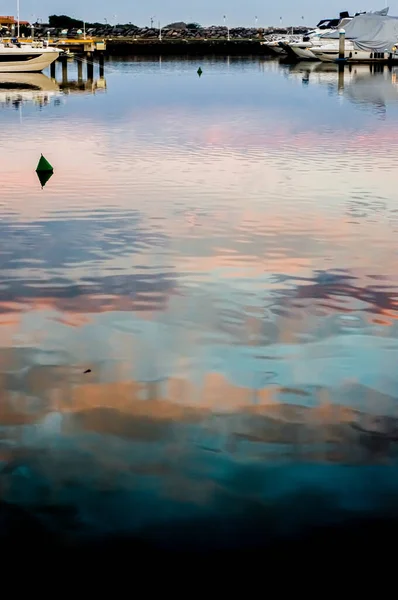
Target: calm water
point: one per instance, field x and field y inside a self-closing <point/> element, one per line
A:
<point x="221" y="253"/>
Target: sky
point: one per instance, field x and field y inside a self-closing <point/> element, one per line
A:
<point x="205" y="12"/>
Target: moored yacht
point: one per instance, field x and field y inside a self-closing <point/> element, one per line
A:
<point x="16" y="57"/>
<point x="371" y="37"/>
<point x="275" y="44"/>
<point x="302" y="50"/>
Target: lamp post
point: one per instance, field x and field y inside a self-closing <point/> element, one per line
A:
<point x="32" y="26"/>
<point x="18" y="28"/>
<point x="225" y="25"/>
<point x="160" y="33"/>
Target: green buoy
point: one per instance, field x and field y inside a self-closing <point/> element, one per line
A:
<point x="44" y="171"/>
<point x="200" y="71"/>
<point x="43" y="165"/>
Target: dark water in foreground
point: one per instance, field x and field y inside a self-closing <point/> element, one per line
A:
<point x="221" y="254"/>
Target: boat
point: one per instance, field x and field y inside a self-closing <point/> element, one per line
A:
<point x="17" y="57"/>
<point x="283" y="44"/>
<point x="274" y="44"/>
<point x="302" y="50"/>
<point x="326" y="29"/>
<point x="371" y="37"/>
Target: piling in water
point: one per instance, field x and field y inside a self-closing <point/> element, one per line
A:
<point x="341" y="44"/>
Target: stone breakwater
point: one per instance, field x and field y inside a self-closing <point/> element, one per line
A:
<point x="212" y="41"/>
<point x="174" y="33"/>
<point x="203" y="33"/>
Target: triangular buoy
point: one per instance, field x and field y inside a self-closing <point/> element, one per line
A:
<point x="44" y="166"/>
<point x="44" y="176"/>
<point x="199" y="71"/>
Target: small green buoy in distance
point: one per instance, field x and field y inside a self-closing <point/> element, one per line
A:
<point x="200" y="71"/>
<point x="44" y="166"/>
<point x="44" y="171"/>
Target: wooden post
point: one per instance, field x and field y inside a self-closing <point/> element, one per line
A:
<point x="341" y="44"/>
<point x="79" y="71"/>
<point x="340" y="84"/>
<point x="101" y="65"/>
<point x="52" y="69"/>
<point x="64" y="63"/>
<point x="90" y="67"/>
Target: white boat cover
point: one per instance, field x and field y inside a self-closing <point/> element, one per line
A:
<point x="371" y="32"/>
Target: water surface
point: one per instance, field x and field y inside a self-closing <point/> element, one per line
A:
<point x="199" y="310"/>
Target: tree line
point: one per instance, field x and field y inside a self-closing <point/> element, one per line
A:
<point x="65" y="22"/>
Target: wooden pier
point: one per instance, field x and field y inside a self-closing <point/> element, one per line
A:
<point x="88" y="62"/>
<point x="81" y="46"/>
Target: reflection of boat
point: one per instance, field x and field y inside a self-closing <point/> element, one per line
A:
<point x="361" y="84"/>
<point x="24" y="87"/>
<point x="374" y="89"/>
<point x="25" y="58"/>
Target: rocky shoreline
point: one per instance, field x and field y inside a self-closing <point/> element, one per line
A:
<point x="208" y="41"/>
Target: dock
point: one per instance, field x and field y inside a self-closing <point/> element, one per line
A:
<point x="81" y="46"/>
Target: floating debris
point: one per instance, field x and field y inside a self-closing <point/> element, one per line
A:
<point x="44" y="171"/>
<point x="87" y="371"/>
<point x="200" y="71"/>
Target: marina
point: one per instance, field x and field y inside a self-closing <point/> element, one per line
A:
<point x="198" y="291"/>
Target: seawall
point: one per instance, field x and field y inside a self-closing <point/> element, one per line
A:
<point x="124" y="46"/>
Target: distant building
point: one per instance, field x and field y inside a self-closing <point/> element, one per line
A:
<point x="10" y="21"/>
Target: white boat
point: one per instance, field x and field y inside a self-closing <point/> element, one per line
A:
<point x="16" y="57"/>
<point x="316" y="37"/>
<point x="283" y="45"/>
<point x="371" y="37"/>
<point x="330" y="53"/>
<point x="274" y="45"/>
<point x="303" y="50"/>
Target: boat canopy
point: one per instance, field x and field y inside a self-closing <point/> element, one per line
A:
<point x="371" y="32"/>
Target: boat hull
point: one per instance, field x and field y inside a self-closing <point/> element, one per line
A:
<point x="353" y="57"/>
<point x="35" y="63"/>
<point x="299" y="51"/>
<point x="303" y="53"/>
<point x="277" y="49"/>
